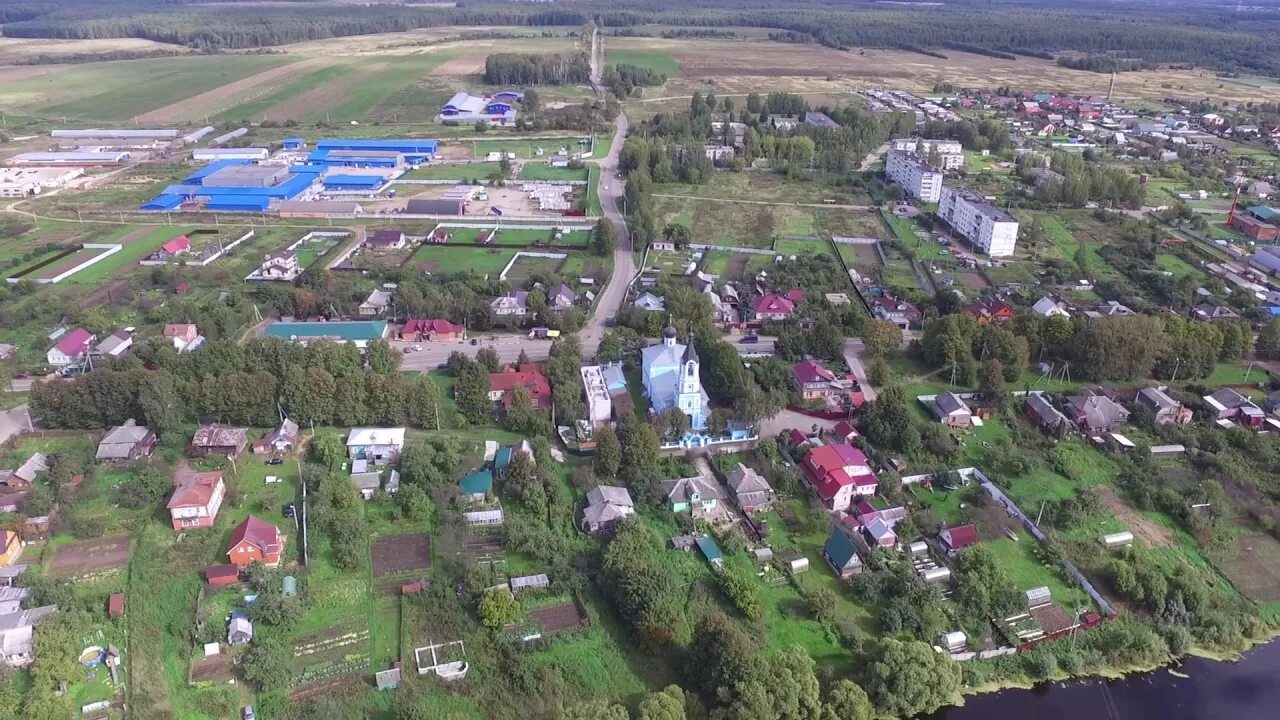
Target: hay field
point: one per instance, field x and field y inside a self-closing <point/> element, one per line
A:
<point x="15" y="51"/>
<point x="736" y="66"/>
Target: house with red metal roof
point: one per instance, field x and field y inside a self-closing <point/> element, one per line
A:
<point x="254" y="541"/>
<point x="955" y="539"/>
<point x="777" y="307"/>
<point x="71" y="348"/>
<point x="812" y="379"/>
<point x="989" y="310"/>
<point x="844" y="431"/>
<point x="432" y="329"/>
<point x="175" y="247"/>
<point x="839" y="473"/>
<point x="197" y="497"/>
<point x="528" y="376"/>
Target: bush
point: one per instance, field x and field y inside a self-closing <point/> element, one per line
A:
<point x="84" y="527"/>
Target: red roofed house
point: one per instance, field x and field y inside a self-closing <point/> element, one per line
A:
<point x="432" y="329"/>
<point x="844" y="431"/>
<point x="958" y="538"/>
<point x="254" y="541"/>
<point x="813" y="380"/>
<point x="174" y="248"/>
<point x="528" y="376"/>
<point x="775" y="307"/>
<point x="197" y="497"/>
<point x="989" y="310"/>
<point x="72" y="348"/>
<point x="839" y="473"/>
<point x="796" y="438"/>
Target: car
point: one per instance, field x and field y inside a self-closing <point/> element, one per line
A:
<point x="749" y="339"/>
<point x="474" y="341"/>
<point x="275" y="461"/>
<point x="248" y="713"/>
<point x="408" y="350"/>
<point x="442" y="366"/>
<point x="416" y="347"/>
<point x="289" y="510"/>
<point x="21" y="376"/>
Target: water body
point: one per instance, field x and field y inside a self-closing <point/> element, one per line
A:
<point x="1245" y="690"/>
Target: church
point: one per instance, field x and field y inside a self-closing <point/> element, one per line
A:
<point x="671" y="379"/>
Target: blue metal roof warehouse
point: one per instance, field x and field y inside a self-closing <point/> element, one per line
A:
<point x="251" y="199"/>
<point x="321" y="157"/>
<point x="353" y="182"/>
<point x="408" y="146"/>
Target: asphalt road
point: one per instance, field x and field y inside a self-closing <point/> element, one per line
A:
<point x="14" y="422"/>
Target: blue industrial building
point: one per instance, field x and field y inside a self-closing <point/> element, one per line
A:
<point x="415" y="151"/>
<point x="353" y="182"/>
<point x="388" y="159"/>
<point x="292" y="182"/>
<point x="294" y="143"/>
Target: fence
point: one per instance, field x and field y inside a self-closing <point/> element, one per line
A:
<point x="523" y="253"/>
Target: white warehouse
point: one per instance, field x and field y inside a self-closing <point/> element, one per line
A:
<point x="985" y="226"/>
<point x="919" y="179"/>
<point x="219" y="153"/>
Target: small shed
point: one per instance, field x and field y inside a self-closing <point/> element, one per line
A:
<point x="239" y="629"/>
<point x="1038" y="597"/>
<point x="954" y="641"/>
<point x="219" y="575"/>
<point x="213" y="648"/>
<point x="289" y="586"/>
<point x="115" y="605"/>
<point x="711" y="551"/>
<point x="529" y="582"/>
<point x="763" y="555"/>
<point x="388" y="679"/>
<point x="684" y="542"/>
<point x="798" y="565"/>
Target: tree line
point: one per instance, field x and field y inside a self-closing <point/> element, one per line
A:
<point x="622" y="79"/>
<point x="527" y="69"/>
<point x="322" y="383"/>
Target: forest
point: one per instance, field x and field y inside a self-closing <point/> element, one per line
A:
<point x="1206" y="35"/>
<point x="523" y="69"/>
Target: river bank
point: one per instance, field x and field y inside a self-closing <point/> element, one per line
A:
<point x="1197" y="689"/>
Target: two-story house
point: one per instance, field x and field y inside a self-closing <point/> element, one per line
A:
<point x="696" y="495"/>
<point x="839" y="473"/>
<point x="197" y="497"/>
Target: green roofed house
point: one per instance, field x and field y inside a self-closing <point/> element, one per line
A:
<point x="477" y="485"/>
<point x="841" y="555"/>
<point x="711" y="551"/>
<point x="356" y="332"/>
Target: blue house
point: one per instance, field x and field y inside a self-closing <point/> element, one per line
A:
<point x="841" y="554"/>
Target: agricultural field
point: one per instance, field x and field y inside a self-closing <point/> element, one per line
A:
<point x="438" y="259"/>
<point x="658" y="61"/>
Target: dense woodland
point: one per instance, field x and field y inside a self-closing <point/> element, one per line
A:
<point x="522" y="69"/>
<point x="1208" y="35"/>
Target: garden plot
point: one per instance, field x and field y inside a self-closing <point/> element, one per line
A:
<point x="65" y="264"/>
<point x="91" y="556"/>
<point x="213" y="669"/>
<point x="446" y="260"/>
<point x="1253" y="566"/>
<point x="526" y="266"/>
<point x="561" y="616"/>
<point x="399" y="554"/>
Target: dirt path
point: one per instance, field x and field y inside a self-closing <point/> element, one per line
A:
<point x="231" y="95"/>
<point x="316" y="99"/>
<point x="1150" y="533"/>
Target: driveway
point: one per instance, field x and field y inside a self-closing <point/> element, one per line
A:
<point x="14" y="422"/>
<point x="853" y="349"/>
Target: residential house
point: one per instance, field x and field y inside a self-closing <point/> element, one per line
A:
<point x="696" y="495"/>
<point x="126" y="443"/>
<point x="950" y="410"/>
<point x="173" y="248"/>
<point x="561" y="297"/>
<point x="651" y="303"/>
<point x="1048" y="307"/>
<point x="839" y="473"/>
<point x="196" y="499"/>
<point x="239" y="629"/>
<point x="25" y="474"/>
<point x="1164" y="409"/>
<point x="897" y="311"/>
<point x="253" y="541"/>
<point x="10" y="547"/>
<point x="386" y="239"/>
<point x="377" y="445"/>
<point x="432" y="330"/>
<point x="115" y="345"/>
<point x="844" y="432"/>
<point x="17" y="634"/>
<point x="528" y="376"/>
<point x="955" y="539"/>
<point x="376" y="304"/>
<point x="1094" y="413"/>
<point x="368" y="482"/>
<point x="606" y="506"/>
<point x="71" y="349"/>
<point x="878" y="533"/>
<point x="218" y="440"/>
<point x="476" y="485"/>
<point x="1231" y="405"/>
<point x="281" y="440"/>
<point x="772" y="306"/>
<point x="1110" y="308"/>
<point x="813" y="380"/>
<point x="281" y="265"/>
<point x="1044" y="413"/>
<point x="186" y="337"/>
<point x="842" y="555"/>
<point x="1208" y="312"/>
<point x="514" y="305"/>
<point x="750" y="490"/>
<point x="989" y="310"/>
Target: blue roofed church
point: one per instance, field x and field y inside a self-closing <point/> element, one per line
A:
<point x="671" y="377"/>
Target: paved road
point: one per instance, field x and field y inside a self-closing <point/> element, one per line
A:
<point x="837" y="206"/>
<point x="14" y="422"/>
<point x="853" y="357"/>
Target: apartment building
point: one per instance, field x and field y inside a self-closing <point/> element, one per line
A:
<point x="985" y="226"/>
<point x="917" y="178"/>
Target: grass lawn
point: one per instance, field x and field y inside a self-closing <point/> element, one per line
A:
<point x="659" y="61"/>
<point x="1232" y="374"/>
<point x="453" y="171"/>
<point x="526" y="148"/>
<point x="1018" y="559"/>
<point x="1176" y="265"/>
<point x="802" y="246"/>
<point x="542" y="171"/>
<point x="131" y="253"/>
<point x="444" y="259"/>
